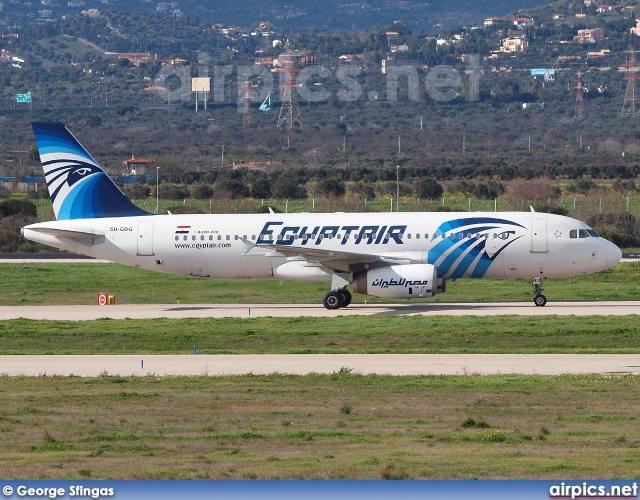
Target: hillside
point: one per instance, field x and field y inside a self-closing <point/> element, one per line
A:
<point x="333" y="15"/>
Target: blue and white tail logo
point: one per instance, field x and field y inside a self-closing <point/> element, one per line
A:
<point x="78" y="187"/>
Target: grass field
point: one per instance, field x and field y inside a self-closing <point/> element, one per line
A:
<point x="43" y="283"/>
<point x="347" y="334"/>
<point x="339" y="426"/>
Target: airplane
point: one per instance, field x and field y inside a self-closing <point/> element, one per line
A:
<point x="395" y="255"/>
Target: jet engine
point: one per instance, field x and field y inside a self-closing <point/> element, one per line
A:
<point x="406" y="281"/>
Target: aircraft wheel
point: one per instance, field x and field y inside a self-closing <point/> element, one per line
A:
<point x="332" y="300"/>
<point x="345" y="297"/>
<point x="540" y="300"/>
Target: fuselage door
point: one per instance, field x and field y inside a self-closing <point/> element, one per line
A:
<point x="145" y="238"/>
<point x="539" y="236"/>
<point x="199" y="269"/>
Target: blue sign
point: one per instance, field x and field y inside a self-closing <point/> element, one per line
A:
<point x="545" y="75"/>
<point x="23" y="97"/>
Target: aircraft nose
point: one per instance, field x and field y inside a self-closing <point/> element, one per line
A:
<point x="612" y="253"/>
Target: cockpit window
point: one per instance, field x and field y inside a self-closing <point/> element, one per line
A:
<point x="573" y="233"/>
<point x="593" y="233"/>
<point x="582" y="233"/>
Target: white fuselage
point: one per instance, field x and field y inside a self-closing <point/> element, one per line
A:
<point x="460" y="245"/>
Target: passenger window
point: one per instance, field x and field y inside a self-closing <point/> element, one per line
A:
<point x="573" y="233"/>
<point x="228" y="237"/>
<point x="253" y="237"/>
<point x="177" y="238"/>
<point x="409" y="236"/>
<point x="452" y="236"/>
<point x="235" y="237"/>
<point x="583" y="233"/>
<point x="460" y="236"/>
<point x="202" y="237"/>
<point x="444" y="235"/>
<point x="184" y="237"/>
<point x="418" y="236"/>
<point x="193" y="237"/>
<point x="210" y="237"/>
<point x="426" y="236"/>
<point x="219" y="237"/>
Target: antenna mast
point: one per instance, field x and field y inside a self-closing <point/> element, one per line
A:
<point x="629" y="105"/>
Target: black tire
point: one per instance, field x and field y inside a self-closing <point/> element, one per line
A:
<point x="332" y="300"/>
<point x="345" y="297"/>
<point x="540" y="300"/>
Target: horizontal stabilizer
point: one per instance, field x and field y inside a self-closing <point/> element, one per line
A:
<point x="77" y="234"/>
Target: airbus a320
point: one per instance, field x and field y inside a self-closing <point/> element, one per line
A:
<point x="389" y="255"/>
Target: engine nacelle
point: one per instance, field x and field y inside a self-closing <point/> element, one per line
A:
<point x="407" y="281"/>
<point x="301" y="271"/>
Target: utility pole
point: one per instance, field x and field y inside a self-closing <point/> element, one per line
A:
<point x="397" y="188"/>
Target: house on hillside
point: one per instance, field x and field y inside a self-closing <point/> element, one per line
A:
<point x="135" y="57"/>
<point x="490" y="21"/>
<point x="514" y="44"/>
<point x="599" y="53"/>
<point x="589" y="36"/>
<point x="523" y="22"/>
<point x="569" y="58"/>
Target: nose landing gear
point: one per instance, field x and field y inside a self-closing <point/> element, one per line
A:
<point x="539" y="299"/>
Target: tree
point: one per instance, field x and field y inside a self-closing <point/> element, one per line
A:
<point x="286" y="187"/>
<point x="261" y="188"/>
<point x="137" y="191"/>
<point x="17" y="207"/>
<point x="201" y="191"/>
<point x="331" y="186"/>
<point x="173" y="192"/>
<point x="489" y="190"/>
<point x="428" y="188"/>
<point x="582" y="186"/>
<point x="464" y="186"/>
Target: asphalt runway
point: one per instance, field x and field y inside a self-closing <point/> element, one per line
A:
<point x="151" y="311"/>
<point x="301" y="364"/>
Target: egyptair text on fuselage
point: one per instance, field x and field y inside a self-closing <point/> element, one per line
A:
<point x="368" y="235"/>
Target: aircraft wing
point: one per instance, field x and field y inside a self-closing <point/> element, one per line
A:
<point x="336" y="260"/>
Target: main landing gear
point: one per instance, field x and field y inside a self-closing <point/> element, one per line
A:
<point x="337" y="299"/>
<point x="539" y="300"/>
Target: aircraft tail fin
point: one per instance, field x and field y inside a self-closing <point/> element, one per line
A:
<point x="78" y="186"/>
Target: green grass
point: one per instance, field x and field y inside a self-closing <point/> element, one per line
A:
<point x="292" y="427"/>
<point x="80" y="283"/>
<point x="346" y="334"/>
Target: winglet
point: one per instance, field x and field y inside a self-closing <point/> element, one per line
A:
<point x="78" y="186"/>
